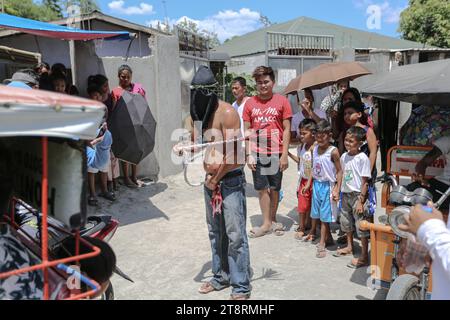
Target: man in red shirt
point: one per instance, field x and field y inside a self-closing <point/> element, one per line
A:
<point x="267" y="155"/>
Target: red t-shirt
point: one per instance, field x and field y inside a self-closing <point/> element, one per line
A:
<point x="267" y="115"/>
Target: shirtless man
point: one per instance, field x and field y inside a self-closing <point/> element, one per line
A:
<point x="219" y="121"/>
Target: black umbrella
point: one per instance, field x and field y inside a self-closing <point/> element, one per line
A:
<point x="133" y="128"/>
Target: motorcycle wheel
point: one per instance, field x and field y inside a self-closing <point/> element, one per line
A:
<point x="109" y="293"/>
<point x="405" y="287"/>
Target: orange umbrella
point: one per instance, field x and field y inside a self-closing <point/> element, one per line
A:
<point x="326" y="75"/>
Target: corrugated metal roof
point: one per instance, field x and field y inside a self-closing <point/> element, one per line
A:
<point x="254" y="42"/>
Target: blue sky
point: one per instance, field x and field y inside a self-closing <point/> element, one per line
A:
<point x="237" y="17"/>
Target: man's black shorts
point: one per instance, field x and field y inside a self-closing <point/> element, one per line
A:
<point x="268" y="174"/>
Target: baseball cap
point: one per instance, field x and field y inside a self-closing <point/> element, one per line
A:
<point x="23" y="77"/>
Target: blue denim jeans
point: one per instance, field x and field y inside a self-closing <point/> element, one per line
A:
<point x="228" y="236"/>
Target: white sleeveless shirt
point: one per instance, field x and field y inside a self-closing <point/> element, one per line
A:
<point x="323" y="166"/>
<point x="305" y="165"/>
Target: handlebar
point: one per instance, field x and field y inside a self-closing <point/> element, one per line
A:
<point x="388" y="178"/>
<point x="366" y="226"/>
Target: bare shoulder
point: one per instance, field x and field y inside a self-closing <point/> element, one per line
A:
<point x="229" y="116"/>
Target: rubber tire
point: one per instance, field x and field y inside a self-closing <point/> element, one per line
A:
<point x="109" y="293"/>
<point x="405" y="287"/>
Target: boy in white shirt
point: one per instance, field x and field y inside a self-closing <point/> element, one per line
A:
<point x="307" y="129"/>
<point x="356" y="167"/>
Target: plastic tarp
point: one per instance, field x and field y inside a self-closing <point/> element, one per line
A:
<point x="425" y="83"/>
<point x="43" y="113"/>
<point x="49" y="30"/>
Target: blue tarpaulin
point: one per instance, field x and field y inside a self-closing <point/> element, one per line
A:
<point x="50" y="30"/>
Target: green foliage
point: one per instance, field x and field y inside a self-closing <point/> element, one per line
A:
<point x="56" y="6"/>
<point x="86" y="6"/>
<point x="251" y="86"/>
<point x="427" y="21"/>
<point x="193" y="27"/>
<point x="29" y="9"/>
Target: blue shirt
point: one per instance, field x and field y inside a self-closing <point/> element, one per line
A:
<point x="98" y="156"/>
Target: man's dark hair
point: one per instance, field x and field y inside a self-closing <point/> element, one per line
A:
<point x="358" y="132"/>
<point x="264" y="71"/>
<point x="308" y="124"/>
<point x="240" y="80"/>
<point x="124" y="67"/>
<point x="99" y="268"/>
<point x="323" y="126"/>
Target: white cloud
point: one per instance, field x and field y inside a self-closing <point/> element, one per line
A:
<point x="118" y="7"/>
<point x="389" y="13"/>
<point x="226" y="24"/>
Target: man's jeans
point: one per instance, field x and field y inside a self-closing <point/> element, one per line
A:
<point x="228" y="236"/>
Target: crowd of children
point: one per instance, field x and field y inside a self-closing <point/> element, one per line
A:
<point x="333" y="187"/>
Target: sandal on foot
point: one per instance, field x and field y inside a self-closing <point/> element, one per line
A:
<point x="356" y="264"/>
<point x="108" y="196"/>
<point x="342" y="253"/>
<point x="299" y="235"/>
<point x="321" y="252"/>
<point x="131" y="185"/>
<point x="309" y="238"/>
<point x="278" y="229"/>
<point x="258" y="233"/>
<point x="206" y="288"/>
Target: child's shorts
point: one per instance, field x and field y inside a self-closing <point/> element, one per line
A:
<point x="350" y="220"/>
<point x="304" y="200"/>
<point x="102" y="170"/>
<point x="323" y="206"/>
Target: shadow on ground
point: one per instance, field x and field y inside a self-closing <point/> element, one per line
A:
<point x="129" y="208"/>
<point x="257" y="221"/>
<point x="266" y="274"/>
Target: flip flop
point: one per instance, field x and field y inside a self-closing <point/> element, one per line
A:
<point x="358" y="265"/>
<point x="206" y="288"/>
<point x="321" y="253"/>
<point x="108" y="196"/>
<point x="340" y="253"/>
<point x="258" y="233"/>
<point x="278" y="229"/>
<point x="299" y="235"/>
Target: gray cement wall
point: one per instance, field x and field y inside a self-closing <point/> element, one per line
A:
<point x="247" y="65"/>
<point x="52" y="50"/>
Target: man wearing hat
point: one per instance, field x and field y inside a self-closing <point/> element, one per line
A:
<point x="226" y="208"/>
<point x="25" y="79"/>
